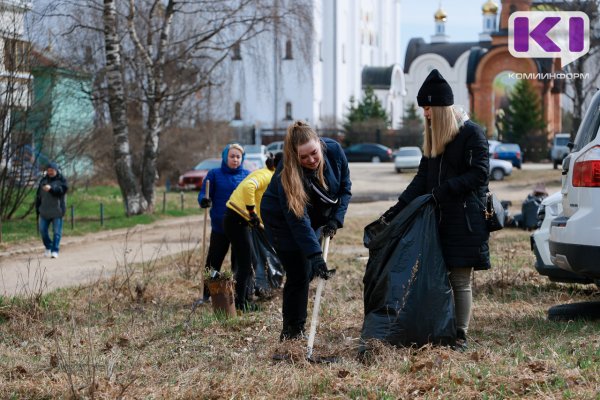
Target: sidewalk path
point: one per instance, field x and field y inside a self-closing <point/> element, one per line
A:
<point x="83" y="259"/>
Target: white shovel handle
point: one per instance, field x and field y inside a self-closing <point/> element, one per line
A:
<point x="317" y="305"/>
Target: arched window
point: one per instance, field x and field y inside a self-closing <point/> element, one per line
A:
<point x="238" y="111"/>
<point x="288" y="111"/>
<point x="237" y="53"/>
<point x="288" y="50"/>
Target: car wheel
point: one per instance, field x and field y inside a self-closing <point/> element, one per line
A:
<point x="497" y="174"/>
<point x="564" y="312"/>
<point x="375" y="159"/>
<point x="555" y="164"/>
<point x="398" y="170"/>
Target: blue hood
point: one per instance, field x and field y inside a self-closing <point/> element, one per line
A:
<point x="224" y="166"/>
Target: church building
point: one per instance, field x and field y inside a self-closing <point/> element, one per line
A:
<point x="281" y="76"/>
<point x="481" y="72"/>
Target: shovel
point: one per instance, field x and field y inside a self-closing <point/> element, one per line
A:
<point x="200" y="301"/>
<point x="205" y="223"/>
<point x="315" y="314"/>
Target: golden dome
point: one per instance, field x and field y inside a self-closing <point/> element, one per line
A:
<point x="440" y="15"/>
<point x="490" y="8"/>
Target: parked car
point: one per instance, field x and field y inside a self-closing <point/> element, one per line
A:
<point x="255" y="151"/>
<point x="368" y="152"/>
<point x="575" y="233"/>
<point x="407" y="158"/>
<point x="560" y="148"/>
<point x="550" y="208"/>
<point x="506" y="151"/>
<point x="258" y="159"/>
<point x="275" y="147"/>
<point x="192" y="179"/>
<point x="499" y="169"/>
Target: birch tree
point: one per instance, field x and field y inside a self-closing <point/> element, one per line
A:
<point x="159" y="54"/>
<point x="135" y="203"/>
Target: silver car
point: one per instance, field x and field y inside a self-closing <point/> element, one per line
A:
<point x="407" y="158"/>
<point x="499" y="169"/>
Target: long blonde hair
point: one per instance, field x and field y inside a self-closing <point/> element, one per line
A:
<point x="440" y="130"/>
<point x="298" y="133"/>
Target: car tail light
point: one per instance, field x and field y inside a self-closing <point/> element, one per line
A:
<point x="495" y="155"/>
<point x="389" y="151"/>
<point x="518" y="155"/>
<point x="586" y="170"/>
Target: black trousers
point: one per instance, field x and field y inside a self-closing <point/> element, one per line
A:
<point x="238" y="233"/>
<point x="217" y="250"/>
<point x="295" y="290"/>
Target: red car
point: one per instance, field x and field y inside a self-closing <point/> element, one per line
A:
<point x="192" y="180"/>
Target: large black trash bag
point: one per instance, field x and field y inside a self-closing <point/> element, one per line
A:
<point x="407" y="294"/>
<point x="267" y="267"/>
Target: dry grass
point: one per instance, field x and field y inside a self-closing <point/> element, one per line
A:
<point x="100" y="342"/>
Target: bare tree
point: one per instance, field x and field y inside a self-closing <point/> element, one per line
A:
<point x="162" y="54"/>
<point x="29" y="132"/>
<point x="17" y="162"/>
<point x="134" y="201"/>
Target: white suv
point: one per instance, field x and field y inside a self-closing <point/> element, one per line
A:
<point x="575" y="234"/>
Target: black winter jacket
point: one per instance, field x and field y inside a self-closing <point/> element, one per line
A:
<point x="287" y="232"/>
<point x="460" y="179"/>
<point x="51" y="204"/>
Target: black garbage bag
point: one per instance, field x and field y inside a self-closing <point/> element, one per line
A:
<point x="267" y="267"/>
<point x="407" y="294"/>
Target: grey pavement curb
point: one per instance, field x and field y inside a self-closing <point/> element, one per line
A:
<point x="26" y="248"/>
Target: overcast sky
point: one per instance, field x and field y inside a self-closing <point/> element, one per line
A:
<point x="464" y="20"/>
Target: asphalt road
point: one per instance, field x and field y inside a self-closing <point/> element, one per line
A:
<point x="85" y="259"/>
<point x="379" y="181"/>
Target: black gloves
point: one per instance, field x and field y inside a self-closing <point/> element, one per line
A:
<point x="394" y="210"/>
<point x="330" y="228"/>
<point x="318" y="267"/>
<point x="205" y="203"/>
<point x="254" y="219"/>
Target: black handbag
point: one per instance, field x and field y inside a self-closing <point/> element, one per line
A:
<point x="494" y="213"/>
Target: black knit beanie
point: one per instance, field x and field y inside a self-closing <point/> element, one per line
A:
<point x="435" y="91"/>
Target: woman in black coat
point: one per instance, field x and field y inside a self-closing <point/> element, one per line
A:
<point x="454" y="168"/>
<point x="308" y="196"/>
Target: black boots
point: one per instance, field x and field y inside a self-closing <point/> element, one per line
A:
<point x="292" y="332"/>
<point x="461" y="340"/>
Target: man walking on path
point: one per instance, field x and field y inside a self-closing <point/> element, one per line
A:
<point x="50" y="207"/>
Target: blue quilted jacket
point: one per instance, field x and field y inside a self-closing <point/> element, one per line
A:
<point x="223" y="182"/>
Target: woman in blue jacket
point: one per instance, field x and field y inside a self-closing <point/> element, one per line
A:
<point x="307" y="197"/>
<point x="223" y="181"/>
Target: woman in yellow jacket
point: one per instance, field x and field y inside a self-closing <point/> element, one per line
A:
<point x="242" y="213"/>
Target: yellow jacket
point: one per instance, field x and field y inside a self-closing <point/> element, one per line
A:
<point x="250" y="192"/>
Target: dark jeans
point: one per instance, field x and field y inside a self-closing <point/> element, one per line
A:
<point x="57" y="224"/>
<point x="238" y="233"/>
<point x="295" y="290"/>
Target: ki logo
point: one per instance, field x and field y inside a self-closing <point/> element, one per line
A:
<point x="549" y="34"/>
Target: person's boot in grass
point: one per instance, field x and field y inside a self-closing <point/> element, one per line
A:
<point x="292" y="332"/>
<point x="288" y="333"/>
<point x="461" y="340"/>
<point x="206" y="294"/>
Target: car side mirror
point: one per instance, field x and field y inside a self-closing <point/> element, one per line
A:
<point x="570" y="145"/>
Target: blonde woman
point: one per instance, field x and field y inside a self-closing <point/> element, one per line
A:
<point x="223" y="181"/>
<point x="307" y="197"/>
<point x="454" y="168"/>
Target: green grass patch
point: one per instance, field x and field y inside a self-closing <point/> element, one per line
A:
<point x="99" y="208"/>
